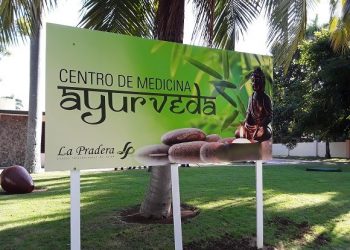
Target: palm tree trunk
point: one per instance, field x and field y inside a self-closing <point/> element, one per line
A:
<point x="170" y="19"/>
<point x="328" y="151"/>
<point x="33" y="147"/>
<point x="169" y="26"/>
<point x="157" y="203"/>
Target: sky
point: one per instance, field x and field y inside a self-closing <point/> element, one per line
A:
<point x="14" y="69"/>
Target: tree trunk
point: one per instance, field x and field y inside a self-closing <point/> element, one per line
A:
<point x="170" y="19"/>
<point x="33" y="147"/>
<point x="157" y="203"/>
<point x="328" y="151"/>
<point x="169" y="27"/>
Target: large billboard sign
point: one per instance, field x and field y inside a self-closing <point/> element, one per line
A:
<point x="115" y="100"/>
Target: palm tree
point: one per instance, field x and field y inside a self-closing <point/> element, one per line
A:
<point x="12" y="15"/>
<point x="218" y="23"/>
<point x="33" y="147"/>
<point x="169" y="25"/>
<point x="287" y="26"/>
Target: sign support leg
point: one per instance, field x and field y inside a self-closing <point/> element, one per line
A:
<point x="176" y="206"/>
<point x="259" y="206"/>
<point x="75" y="209"/>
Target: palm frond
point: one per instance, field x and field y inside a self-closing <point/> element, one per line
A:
<point x="287" y="26"/>
<point x="345" y="8"/>
<point x="14" y="13"/>
<point x="204" y="24"/>
<point x="133" y="17"/>
<point x="221" y="22"/>
<point x="332" y="8"/>
<point x="340" y="29"/>
<point x="340" y="35"/>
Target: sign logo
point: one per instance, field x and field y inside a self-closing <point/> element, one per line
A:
<point x="128" y="149"/>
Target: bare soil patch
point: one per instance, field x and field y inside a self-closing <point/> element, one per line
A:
<point x="284" y="224"/>
<point x="225" y="242"/>
<point x="322" y="240"/>
<point x="132" y="215"/>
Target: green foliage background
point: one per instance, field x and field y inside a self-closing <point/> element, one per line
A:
<point x="227" y="76"/>
<point x="312" y="101"/>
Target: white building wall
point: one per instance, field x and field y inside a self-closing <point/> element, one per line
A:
<point x="321" y="149"/>
<point x="279" y="150"/>
<point x="338" y="149"/>
<point x="304" y="149"/>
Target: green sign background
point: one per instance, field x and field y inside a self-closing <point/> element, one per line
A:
<point x="72" y="141"/>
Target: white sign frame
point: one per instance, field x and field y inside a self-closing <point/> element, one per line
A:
<point x="175" y="188"/>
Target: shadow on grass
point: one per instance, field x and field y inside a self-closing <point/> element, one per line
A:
<point x="328" y="201"/>
<point x="225" y="195"/>
<point x="294" y="183"/>
<point x="103" y="196"/>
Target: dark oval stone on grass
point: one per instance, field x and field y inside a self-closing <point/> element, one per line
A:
<point x="183" y="135"/>
<point x="16" y="180"/>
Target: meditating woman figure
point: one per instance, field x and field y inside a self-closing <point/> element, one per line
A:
<point x="259" y="112"/>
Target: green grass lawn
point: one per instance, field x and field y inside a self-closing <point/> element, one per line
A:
<point x="303" y="210"/>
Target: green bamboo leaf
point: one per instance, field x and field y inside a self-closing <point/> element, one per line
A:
<point x="248" y="88"/>
<point x="212" y="127"/>
<point x="235" y="125"/>
<point x="177" y="53"/>
<point x="157" y="46"/>
<point x="248" y="75"/>
<point x="199" y="76"/>
<point x="226" y="96"/>
<point x="257" y="57"/>
<point x="241" y="105"/>
<point x="268" y="89"/>
<point x="187" y="52"/>
<point x="214" y="93"/>
<point x="225" y="64"/>
<point x="268" y="78"/>
<point x="204" y="68"/>
<point x="224" y="83"/>
<point x="268" y="83"/>
<point x="229" y="120"/>
<point x="246" y="60"/>
<point x="246" y="79"/>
